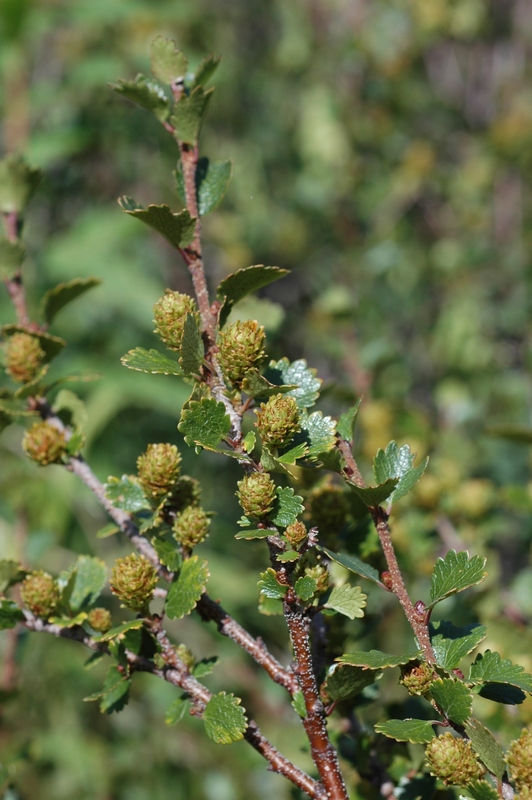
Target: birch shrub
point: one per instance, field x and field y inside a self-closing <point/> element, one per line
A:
<point x="326" y="529"/>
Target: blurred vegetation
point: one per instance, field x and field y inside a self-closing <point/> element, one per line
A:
<point x="382" y="152"/>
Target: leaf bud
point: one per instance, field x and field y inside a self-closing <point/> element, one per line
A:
<point x="519" y="759"/>
<point x="24" y="357"/>
<point x="170" y="313"/>
<point x="453" y="760"/>
<point x="241" y="348"/>
<point x="417" y="678"/>
<point x="44" y="443"/>
<point x="256" y="494"/>
<point x="133" y="580"/>
<point x="100" y="620"/>
<point x="296" y="533"/>
<point x="320" y="574"/>
<point x="158" y="469"/>
<point x="40" y="593"/>
<point x="278" y="420"/>
<point x="191" y="526"/>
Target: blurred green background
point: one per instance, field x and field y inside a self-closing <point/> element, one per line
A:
<point x="383" y="153"/>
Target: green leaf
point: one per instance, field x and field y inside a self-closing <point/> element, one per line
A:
<point x="259" y="533"/>
<point x="71" y="409"/>
<point x="353" y="564"/>
<point x="287" y="508"/>
<point x="167" y="62"/>
<point x="373" y="496"/>
<point x="249" y="441"/>
<point x="10" y="614"/>
<point x="70" y="622"/>
<point x="206" y="69"/>
<point x="168" y="552"/>
<point x="60" y="296"/>
<point x="187" y="588"/>
<point x="93" y="660"/>
<point x="347" y="422"/>
<point x="398" y="462"/>
<point x="115" y="692"/>
<point x="126" y="493"/>
<point x="453" y="698"/>
<point x="376" y="659"/>
<point x="298" y="373"/>
<point x="347" y="600"/>
<point x="243" y="282"/>
<point x="89" y="576"/>
<point x="270" y="586"/>
<point x="107" y="530"/>
<point x="145" y="93"/>
<point x="298" y="704"/>
<point x="224" y="718"/>
<point x="255" y="385"/>
<point x="18" y="183"/>
<point x="486" y="747"/>
<point x="177" y="710"/>
<point x="318" y="432"/>
<point x="192" y="350"/>
<point x="189" y="113"/>
<point x="10" y="573"/>
<point x="292" y="455"/>
<point x="119" y="631"/>
<point x="489" y="667"/>
<point x="204" y="667"/>
<point x="212" y="182"/>
<point x="178" y="229"/>
<point x="288" y="556"/>
<point x="454" y="573"/>
<point x="417" y="731"/>
<point x="150" y="361"/>
<point x="11" y="257"/>
<point x="305" y="587"/>
<point x="480" y="790"/>
<point x="452" y="644"/>
<point x="270" y="606"/>
<point x="204" y="422"/>
<point x="344" y="681"/>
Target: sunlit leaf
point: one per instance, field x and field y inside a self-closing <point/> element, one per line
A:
<point x="347" y="600"/>
<point x="451" y="644"/>
<point x="243" y="282"/>
<point x="376" y="659"/>
<point x="454" y="573"/>
<point x="167" y="62"/>
<point x="398" y="462"/>
<point x="146" y="93"/>
<point x="204" y="422"/>
<point x="270" y="586"/>
<point x="224" y="718"/>
<point x="287" y="507"/>
<point x="417" y="731"/>
<point x="453" y="698"/>
<point x="150" y="361"/>
<point x="178" y="229"/>
<point x="187" y="588"/>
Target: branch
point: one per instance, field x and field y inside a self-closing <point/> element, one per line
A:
<point x="14" y="285"/>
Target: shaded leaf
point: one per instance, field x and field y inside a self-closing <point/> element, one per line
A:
<point x="344" y="681"/>
<point x="10" y="614"/>
<point x="11" y="257"/>
<point x="298" y="704"/>
<point x="64" y="293"/>
<point x="255" y="385"/>
<point x="305" y="587"/>
<point x="353" y="564"/>
<point x="270" y="606"/>
<point x="115" y="692"/>
<point x="287" y="507"/>
<point x="417" y="731"/>
<point x="10" y="573"/>
<point x="454" y="573"/>
<point x="270" y="586"/>
<point x="167" y="552"/>
<point x="167" y="62"/>
<point x="486" y="747"/>
<point x="18" y="183"/>
<point x="480" y="790"/>
<point x="89" y="576"/>
<point x="188" y="114"/>
<point x="347" y="422"/>
<point x="177" y="710"/>
<point x="119" y="631"/>
<point x="373" y="496"/>
<point x="70" y="409"/>
<point x="376" y="659"/>
<point x="126" y="493"/>
<point x="347" y="600"/>
<point x="150" y="361"/>
<point x="224" y="718"/>
<point x="206" y="69"/>
<point x="178" y="229"/>
<point x="501" y="693"/>
<point x="454" y="699"/>
<point x="145" y="93"/>
<point x="489" y="667"/>
<point x="398" y="462"/>
<point x="243" y="282"/>
<point x="192" y="351"/>
<point x="452" y="644"/>
<point x="298" y="373"/>
<point x="212" y="182"/>
<point x="204" y="422"/>
<point x="187" y="588"/>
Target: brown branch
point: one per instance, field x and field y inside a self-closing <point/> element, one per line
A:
<point x="323" y="753"/>
<point x="14" y="285"/>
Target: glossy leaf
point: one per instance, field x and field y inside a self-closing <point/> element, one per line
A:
<point x="11" y="257"/>
<point x="451" y="644"/>
<point x="454" y="573"/>
<point x="167" y="62"/>
<point x="188" y="114"/>
<point x="145" y="93"/>
<point x="353" y="564"/>
<point x="287" y="507"/>
<point x="204" y="422"/>
<point x="344" y="681"/>
<point x="417" y="731"/>
<point x="177" y="710"/>
<point x="243" y="282"/>
<point x="126" y="493"/>
<point x="305" y="587"/>
<point x="347" y="600"/>
<point x="10" y="614"/>
<point x="270" y="586"/>
<point x="178" y="229"/>
<point x="63" y="294"/>
<point x="376" y="659"/>
<point x="489" y="667"/>
<point x="398" y="462"/>
<point x="187" y="588"/>
<point x="224" y="718"/>
<point x="192" y="351"/>
<point x="298" y="373"/>
<point x="453" y="698"/>
<point x="486" y="747"/>
<point x="318" y="432"/>
<point x="150" y="361"/>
